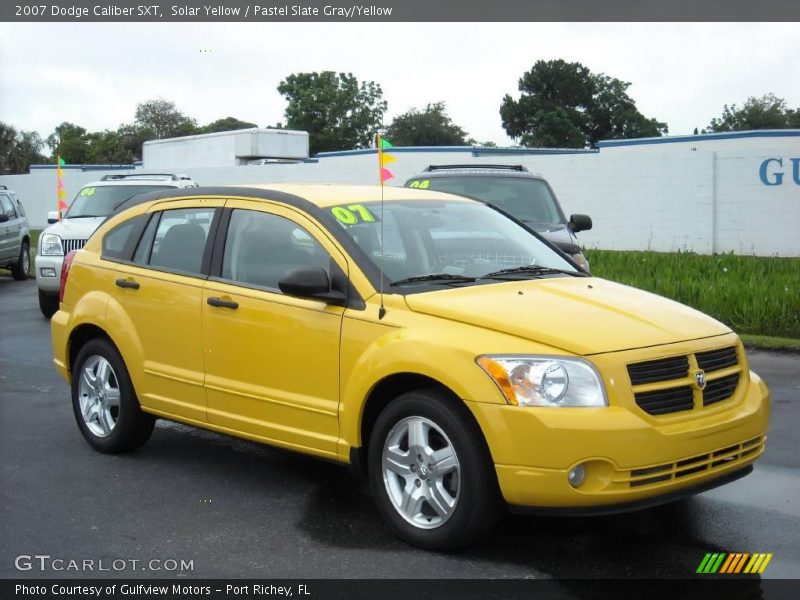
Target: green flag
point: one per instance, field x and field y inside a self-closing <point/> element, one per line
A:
<point x="385" y="145"/>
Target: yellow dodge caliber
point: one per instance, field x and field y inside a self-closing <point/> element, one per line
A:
<point x="440" y="347"/>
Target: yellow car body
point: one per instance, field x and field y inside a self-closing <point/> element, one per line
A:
<point x="310" y="376"/>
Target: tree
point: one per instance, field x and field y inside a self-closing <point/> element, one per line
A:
<point x="18" y="150"/>
<point x="163" y="119"/>
<point x="70" y="142"/>
<point x="428" y="127"/>
<point x="565" y="105"/>
<point x="336" y="110"/>
<point x="767" y="112"/>
<point x="226" y="124"/>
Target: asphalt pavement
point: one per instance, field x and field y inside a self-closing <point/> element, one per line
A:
<point x="238" y="509"/>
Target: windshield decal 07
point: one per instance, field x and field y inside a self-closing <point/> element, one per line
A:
<point x="352" y="214"/>
<point x="422" y="185"/>
<point x="88" y="191"/>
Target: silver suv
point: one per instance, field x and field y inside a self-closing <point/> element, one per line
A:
<point x="15" y="237"/>
<point x="94" y="202"/>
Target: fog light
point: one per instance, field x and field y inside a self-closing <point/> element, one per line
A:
<point x="47" y="272"/>
<point x="576" y="476"/>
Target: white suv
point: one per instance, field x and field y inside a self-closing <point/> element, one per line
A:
<point x="93" y="203"/>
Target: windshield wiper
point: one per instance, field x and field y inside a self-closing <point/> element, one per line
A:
<point x="435" y="277"/>
<point x="530" y="270"/>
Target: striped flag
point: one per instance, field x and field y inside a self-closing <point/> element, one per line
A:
<point x="384" y="159"/>
<point x="61" y="192"/>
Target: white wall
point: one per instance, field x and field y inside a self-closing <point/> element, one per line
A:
<point x="650" y="198"/>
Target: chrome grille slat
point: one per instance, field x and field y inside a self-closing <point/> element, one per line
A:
<point x="70" y="245"/>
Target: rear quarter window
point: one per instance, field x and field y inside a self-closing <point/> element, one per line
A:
<point x="119" y="242"/>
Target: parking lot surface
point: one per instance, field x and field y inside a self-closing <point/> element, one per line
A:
<point x="239" y="509"/>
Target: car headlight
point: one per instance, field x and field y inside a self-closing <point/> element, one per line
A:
<point x="545" y="380"/>
<point x="51" y="245"/>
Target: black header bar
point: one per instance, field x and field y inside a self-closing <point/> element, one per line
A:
<point x="271" y="11"/>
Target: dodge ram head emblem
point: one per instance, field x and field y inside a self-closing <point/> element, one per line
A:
<point x="700" y="379"/>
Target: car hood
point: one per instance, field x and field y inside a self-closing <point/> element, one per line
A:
<point x="581" y="315"/>
<point x="75" y="229"/>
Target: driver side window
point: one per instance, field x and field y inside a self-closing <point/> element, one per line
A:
<point x="261" y="247"/>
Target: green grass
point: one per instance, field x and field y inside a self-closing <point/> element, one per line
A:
<point x="751" y="294"/>
<point x="766" y="342"/>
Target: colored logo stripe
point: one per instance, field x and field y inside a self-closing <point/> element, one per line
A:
<point x="733" y="563"/>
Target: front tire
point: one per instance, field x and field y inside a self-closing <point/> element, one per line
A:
<point x="48" y="304"/>
<point x="430" y="471"/>
<point x="22" y="268"/>
<point x="104" y="401"/>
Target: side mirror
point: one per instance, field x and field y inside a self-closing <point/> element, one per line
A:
<point x="312" y="283"/>
<point x="3" y="217"/>
<point x="580" y="223"/>
<point x="52" y="217"/>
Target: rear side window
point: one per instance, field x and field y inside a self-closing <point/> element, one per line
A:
<point x="118" y="243"/>
<point x="20" y="208"/>
<point x="180" y="240"/>
<point x="7" y="207"/>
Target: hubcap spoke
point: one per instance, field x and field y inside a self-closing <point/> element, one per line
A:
<point x="112" y="397"/>
<point x="103" y="372"/>
<point x="411" y="503"/>
<point x="105" y="420"/>
<point x="397" y="461"/>
<point x="417" y="434"/>
<point x="440" y="500"/>
<point x="444" y="460"/>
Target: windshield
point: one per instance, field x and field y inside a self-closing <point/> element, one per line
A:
<point x="527" y="199"/>
<point x="451" y="238"/>
<point x="100" y="201"/>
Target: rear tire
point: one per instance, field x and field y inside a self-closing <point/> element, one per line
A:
<point x="430" y="471"/>
<point x="48" y="304"/>
<point x="104" y="401"/>
<point x="22" y="268"/>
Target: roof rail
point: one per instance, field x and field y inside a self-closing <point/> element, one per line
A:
<point x="172" y="176"/>
<point x="520" y="168"/>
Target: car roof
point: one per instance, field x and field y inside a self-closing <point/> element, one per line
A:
<point x="475" y="172"/>
<point x="143" y="181"/>
<point x="307" y="197"/>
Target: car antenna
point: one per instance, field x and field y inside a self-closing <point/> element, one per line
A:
<point x="379" y="144"/>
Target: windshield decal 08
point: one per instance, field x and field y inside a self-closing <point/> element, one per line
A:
<point x="88" y="191"/>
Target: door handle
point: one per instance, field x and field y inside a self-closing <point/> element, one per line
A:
<point x="220" y="303"/>
<point x="127" y="283"/>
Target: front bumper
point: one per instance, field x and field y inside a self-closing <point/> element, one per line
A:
<point x="627" y="457"/>
<point x="48" y="273"/>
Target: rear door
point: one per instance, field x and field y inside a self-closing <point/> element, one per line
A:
<point x="272" y="361"/>
<point x="159" y="292"/>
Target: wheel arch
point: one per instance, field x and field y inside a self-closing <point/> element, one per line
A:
<point x="78" y="338"/>
<point x="382" y="394"/>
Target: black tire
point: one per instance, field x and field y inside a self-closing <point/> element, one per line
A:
<point x="477" y="502"/>
<point x="22" y="268"/>
<point x="48" y="304"/>
<point x="132" y="427"/>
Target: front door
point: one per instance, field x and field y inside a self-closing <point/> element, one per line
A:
<point x="272" y="361"/>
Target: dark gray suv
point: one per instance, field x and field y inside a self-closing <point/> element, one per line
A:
<point x="15" y="237"/>
<point x="515" y="190"/>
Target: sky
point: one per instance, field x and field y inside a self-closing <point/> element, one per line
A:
<point x="94" y="74"/>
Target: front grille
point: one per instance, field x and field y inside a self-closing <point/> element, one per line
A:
<point x="661" y="402"/>
<point x="720" y="389"/>
<point x="659" y="370"/>
<point x="717" y="359"/>
<point x="711" y="461"/>
<point x="668" y="385"/>
<point x="70" y="245"/>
